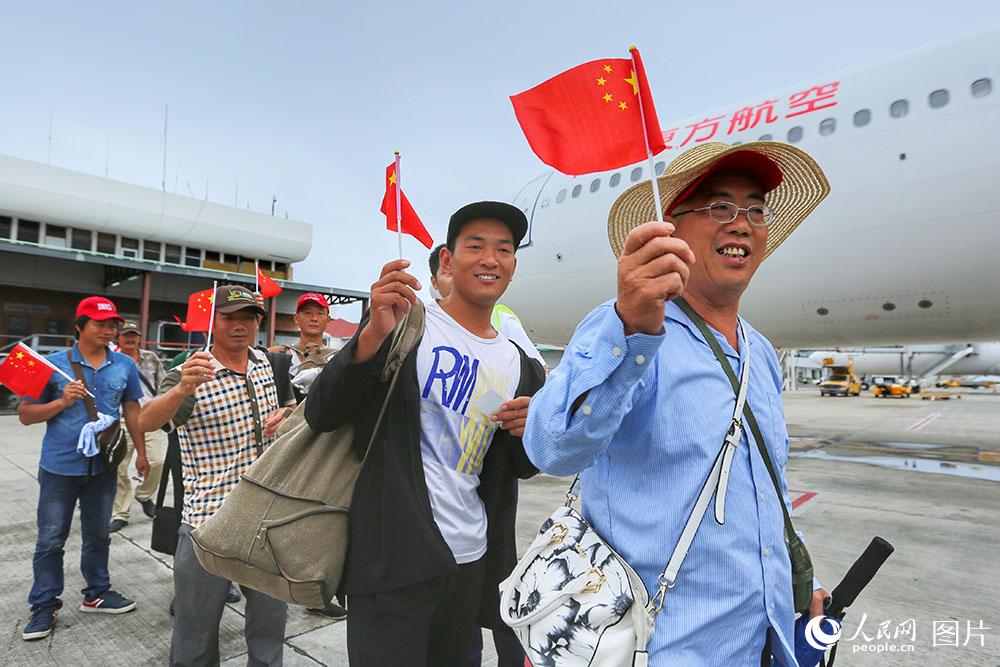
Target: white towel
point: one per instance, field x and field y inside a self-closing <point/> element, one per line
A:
<point x="87" y="444"/>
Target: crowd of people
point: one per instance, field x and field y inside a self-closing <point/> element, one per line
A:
<point x="637" y="407"/>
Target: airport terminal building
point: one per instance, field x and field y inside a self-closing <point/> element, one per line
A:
<point x="65" y="235"/>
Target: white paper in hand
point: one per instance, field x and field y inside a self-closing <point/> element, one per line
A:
<point x="489" y="403"/>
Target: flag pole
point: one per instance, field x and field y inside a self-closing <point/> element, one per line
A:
<point x="54" y="367"/>
<point x="645" y="135"/>
<point x="399" y="208"/>
<point x="211" y="317"/>
<point x="256" y="275"/>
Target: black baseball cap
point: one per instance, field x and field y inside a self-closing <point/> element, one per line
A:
<point x="129" y="327"/>
<point x="508" y="214"/>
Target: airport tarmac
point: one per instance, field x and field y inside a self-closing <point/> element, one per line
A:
<point x="926" y="482"/>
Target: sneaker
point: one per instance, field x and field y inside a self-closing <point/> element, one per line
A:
<point x="108" y="603"/>
<point x="234" y="595"/>
<point x="148" y="507"/>
<point x="40" y="624"/>
<point x="331" y="610"/>
<point x="117" y="524"/>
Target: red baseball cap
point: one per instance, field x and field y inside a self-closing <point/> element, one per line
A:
<point x="764" y="169"/>
<point x="312" y="297"/>
<point x="98" y="308"/>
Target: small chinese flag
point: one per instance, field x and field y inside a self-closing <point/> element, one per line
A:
<point x="587" y="119"/>
<point x="24" y="372"/>
<point x="268" y="287"/>
<point x="409" y="223"/>
<point x="199" y="311"/>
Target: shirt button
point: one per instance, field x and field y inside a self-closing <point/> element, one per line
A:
<point x="767" y="552"/>
<point x="617" y="351"/>
<point x="640" y="359"/>
<point x="760" y="496"/>
<point x="586" y="409"/>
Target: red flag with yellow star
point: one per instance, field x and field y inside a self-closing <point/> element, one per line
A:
<point x="587" y="119"/>
<point x="268" y="287"/>
<point x="199" y="311"/>
<point x="409" y="222"/>
<point x="24" y="372"/>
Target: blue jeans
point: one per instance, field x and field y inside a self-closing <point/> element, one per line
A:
<point x="57" y="497"/>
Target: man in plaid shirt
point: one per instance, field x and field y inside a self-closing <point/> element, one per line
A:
<point x="224" y="406"/>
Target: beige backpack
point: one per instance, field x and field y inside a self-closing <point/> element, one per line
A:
<point x="283" y="529"/>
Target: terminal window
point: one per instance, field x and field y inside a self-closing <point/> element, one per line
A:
<point x="82" y="239"/>
<point x="106" y="243"/>
<point x="6" y="224"/>
<point x="172" y="254"/>
<point x="192" y="257"/>
<point x="55" y="235"/>
<point x="130" y="248"/>
<point x="27" y="231"/>
<point x="232" y="259"/>
<point x="151" y="251"/>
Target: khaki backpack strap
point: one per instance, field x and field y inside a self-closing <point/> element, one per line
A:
<point x="88" y="401"/>
<point x="405" y="339"/>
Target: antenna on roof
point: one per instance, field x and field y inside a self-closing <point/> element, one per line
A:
<point x="274" y="200"/>
<point x="163" y="183"/>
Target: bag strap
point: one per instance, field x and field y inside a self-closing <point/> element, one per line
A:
<point x="747" y="413"/>
<point x="87" y="400"/>
<point x="404" y="340"/>
<point x="258" y="427"/>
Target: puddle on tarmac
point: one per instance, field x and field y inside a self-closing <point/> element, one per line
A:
<point x="913" y="445"/>
<point x="969" y="470"/>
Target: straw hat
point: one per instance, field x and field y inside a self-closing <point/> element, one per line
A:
<point x="793" y="182"/>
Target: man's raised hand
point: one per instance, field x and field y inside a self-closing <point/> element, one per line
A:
<point x="391" y="298"/>
<point x="653" y="269"/>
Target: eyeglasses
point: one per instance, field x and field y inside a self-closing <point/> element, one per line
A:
<point x="724" y="212"/>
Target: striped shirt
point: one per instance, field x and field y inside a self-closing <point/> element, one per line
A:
<point x="645" y="438"/>
<point x="218" y="433"/>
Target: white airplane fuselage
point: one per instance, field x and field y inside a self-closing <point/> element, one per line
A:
<point x="905" y="249"/>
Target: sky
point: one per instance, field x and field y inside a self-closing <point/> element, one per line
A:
<point x="306" y="101"/>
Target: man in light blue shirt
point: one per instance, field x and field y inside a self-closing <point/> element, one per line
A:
<point x="640" y="405"/>
<point x="67" y="477"/>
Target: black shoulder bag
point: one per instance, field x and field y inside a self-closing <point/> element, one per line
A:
<point x="167" y="520"/>
<point x="110" y="441"/>
<point x="802" y="569"/>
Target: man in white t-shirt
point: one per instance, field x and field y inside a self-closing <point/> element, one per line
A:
<point x="432" y="517"/>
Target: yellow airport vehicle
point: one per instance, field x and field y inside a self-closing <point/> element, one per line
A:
<point x="839" y="379"/>
<point x="886" y="386"/>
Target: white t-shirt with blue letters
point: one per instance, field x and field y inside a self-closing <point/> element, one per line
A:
<point x="459" y="373"/>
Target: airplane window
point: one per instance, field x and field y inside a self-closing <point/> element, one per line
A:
<point x="561" y="197"/>
<point x="862" y="117"/>
<point x="938" y="99"/>
<point x="636" y="175"/>
<point x="576" y="191"/>
<point x="595" y="185"/>
<point x="616" y="178"/>
<point x="827" y="126"/>
<point x="795" y="134"/>
<point x="982" y="87"/>
<point x="899" y="108"/>
<point x="659" y="167"/>
<point x="766" y="137"/>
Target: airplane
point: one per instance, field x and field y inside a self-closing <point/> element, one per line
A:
<point x="904" y="250"/>
<point x="966" y="359"/>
